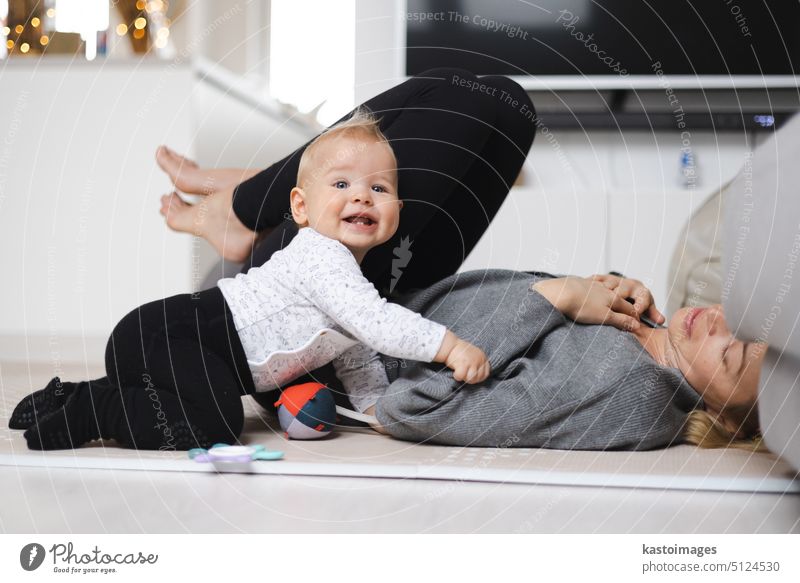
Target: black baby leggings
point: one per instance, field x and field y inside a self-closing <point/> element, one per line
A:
<point x="175" y="368"/>
<point x="175" y="375"/>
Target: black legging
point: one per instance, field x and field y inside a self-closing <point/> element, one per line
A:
<point x="181" y="371"/>
<point x="175" y="367"/>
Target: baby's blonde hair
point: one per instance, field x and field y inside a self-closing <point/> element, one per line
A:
<point x="361" y="123"/>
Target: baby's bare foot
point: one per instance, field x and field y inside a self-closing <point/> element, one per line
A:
<point x="212" y="219"/>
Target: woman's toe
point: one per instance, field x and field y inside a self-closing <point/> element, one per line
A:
<point x="178" y="168"/>
<point x="179" y="214"/>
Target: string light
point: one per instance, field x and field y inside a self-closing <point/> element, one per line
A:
<point x="122" y="29"/>
<point x="137" y="34"/>
<point x="163" y="32"/>
<point x="35" y="22"/>
<point x="44" y="40"/>
<point x="9" y="44"/>
<point x="140" y="4"/>
<point x="6" y="31"/>
<point x="19" y="28"/>
<point x="24" y="47"/>
<point x="51" y="12"/>
<point x="140" y="23"/>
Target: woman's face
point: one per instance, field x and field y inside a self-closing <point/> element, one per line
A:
<point x="722" y="369"/>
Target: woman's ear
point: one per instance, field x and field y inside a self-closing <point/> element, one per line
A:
<point x="297" y="201"/>
<point x="400" y="203"/>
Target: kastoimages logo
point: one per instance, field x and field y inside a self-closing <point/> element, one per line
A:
<point x="31" y="556"/>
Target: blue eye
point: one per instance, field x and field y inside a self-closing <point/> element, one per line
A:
<point x="340" y="184"/>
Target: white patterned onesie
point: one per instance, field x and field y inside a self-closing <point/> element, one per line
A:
<point x="310" y="305"/>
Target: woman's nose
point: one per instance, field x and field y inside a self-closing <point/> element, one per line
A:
<point x="717" y="323"/>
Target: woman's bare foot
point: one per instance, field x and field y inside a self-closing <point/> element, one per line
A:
<point x="212" y="219"/>
<point x="188" y="177"/>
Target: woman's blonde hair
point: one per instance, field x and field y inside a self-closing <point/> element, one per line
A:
<point x="361" y="123"/>
<point x="705" y="430"/>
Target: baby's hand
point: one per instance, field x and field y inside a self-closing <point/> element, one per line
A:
<point x="469" y="363"/>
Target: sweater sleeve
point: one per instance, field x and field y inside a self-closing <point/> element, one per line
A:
<point x="363" y="376"/>
<point x="328" y="276"/>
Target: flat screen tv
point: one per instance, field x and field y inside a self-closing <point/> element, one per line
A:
<point x="610" y="43"/>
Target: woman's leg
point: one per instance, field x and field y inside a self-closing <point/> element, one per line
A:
<point x="459" y="151"/>
<point x="440" y="246"/>
<point x="169" y="386"/>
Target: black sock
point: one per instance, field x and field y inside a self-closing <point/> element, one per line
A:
<point x="40" y="403"/>
<point x="67" y="427"/>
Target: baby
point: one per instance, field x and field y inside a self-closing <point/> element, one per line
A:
<point x="176" y="368"/>
<point x="310" y="304"/>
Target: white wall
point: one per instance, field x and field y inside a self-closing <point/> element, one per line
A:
<point x="82" y="239"/>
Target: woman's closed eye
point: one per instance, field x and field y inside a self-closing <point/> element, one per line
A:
<point x="728" y="354"/>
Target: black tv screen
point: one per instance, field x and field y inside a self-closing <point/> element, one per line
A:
<point x="605" y="37"/>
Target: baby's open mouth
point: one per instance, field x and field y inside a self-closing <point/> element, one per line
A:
<point x="360" y="220"/>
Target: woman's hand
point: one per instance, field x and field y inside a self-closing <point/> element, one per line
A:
<point x="589" y="301"/>
<point x="644" y="303"/>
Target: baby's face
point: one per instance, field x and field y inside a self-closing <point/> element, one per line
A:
<point x="350" y="194"/>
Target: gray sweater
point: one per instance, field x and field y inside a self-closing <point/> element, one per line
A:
<point x="555" y="383"/>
